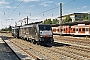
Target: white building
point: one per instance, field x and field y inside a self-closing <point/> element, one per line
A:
<point x="75" y="16"/>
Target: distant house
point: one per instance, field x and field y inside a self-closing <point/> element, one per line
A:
<point x="75" y="16"/>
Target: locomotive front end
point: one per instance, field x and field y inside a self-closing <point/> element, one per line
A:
<point x="46" y="36"/>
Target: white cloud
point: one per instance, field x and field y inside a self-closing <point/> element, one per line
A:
<point x="84" y="6"/>
<point x="46" y="3"/>
<point x="7" y="6"/>
<point x="49" y="2"/>
<point x="3" y="2"/>
<point x="30" y="0"/>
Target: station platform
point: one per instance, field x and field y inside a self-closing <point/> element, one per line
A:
<point x="6" y="53"/>
<point x="20" y="53"/>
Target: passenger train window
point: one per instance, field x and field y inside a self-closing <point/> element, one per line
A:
<point x="76" y="29"/>
<point x="73" y="29"/>
<point x="83" y="29"/>
<point x="54" y="30"/>
<point x="86" y="29"/>
<point x="79" y="29"/>
<point x="64" y="29"/>
<point x="57" y="29"/>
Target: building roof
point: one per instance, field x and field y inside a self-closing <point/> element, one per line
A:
<point x="73" y="14"/>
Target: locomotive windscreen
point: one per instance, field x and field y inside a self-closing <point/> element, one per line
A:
<point x="44" y="27"/>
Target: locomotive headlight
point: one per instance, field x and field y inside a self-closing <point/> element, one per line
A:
<point x="41" y="36"/>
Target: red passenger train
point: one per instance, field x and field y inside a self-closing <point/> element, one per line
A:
<point x="79" y="29"/>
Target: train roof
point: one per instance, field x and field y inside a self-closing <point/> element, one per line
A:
<point x="30" y="24"/>
<point x="86" y="22"/>
<point x="26" y="26"/>
<point x="35" y="23"/>
<point x="15" y="27"/>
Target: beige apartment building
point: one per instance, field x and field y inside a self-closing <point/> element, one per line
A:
<point x="76" y="16"/>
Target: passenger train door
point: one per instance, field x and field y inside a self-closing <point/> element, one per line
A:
<point x="76" y="31"/>
<point x="87" y="31"/>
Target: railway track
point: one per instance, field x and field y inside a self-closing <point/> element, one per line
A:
<point x="73" y="53"/>
<point x="83" y="52"/>
<point x="54" y="54"/>
<point x="28" y="47"/>
<point x="73" y="40"/>
<point x="36" y="58"/>
<point x="80" y="48"/>
<point x="65" y="52"/>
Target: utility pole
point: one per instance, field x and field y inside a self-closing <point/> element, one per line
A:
<point x="27" y="19"/>
<point x="60" y="22"/>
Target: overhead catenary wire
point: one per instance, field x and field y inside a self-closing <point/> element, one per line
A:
<point x="37" y="13"/>
<point x="9" y="8"/>
<point x="54" y="8"/>
<point x="42" y="11"/>
<point x="13" y="10"/>
<point x="17" y="7"/>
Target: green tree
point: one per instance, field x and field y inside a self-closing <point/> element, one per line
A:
<point x="55" y="21"/>
<point x="10" y="28"/>
<point x="4" y="29"/>
<point x="68" y="19"/>
<point x="85" y="17"/>
<point x="47" y="21"/>
<point x="7" y="29"/>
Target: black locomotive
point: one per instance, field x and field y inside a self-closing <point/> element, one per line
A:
<point x="36" y="33"/>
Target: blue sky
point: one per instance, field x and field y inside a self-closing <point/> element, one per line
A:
<point x="12" y="11"/>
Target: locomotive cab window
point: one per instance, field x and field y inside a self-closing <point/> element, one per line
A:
<point x="44" y="27"/>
